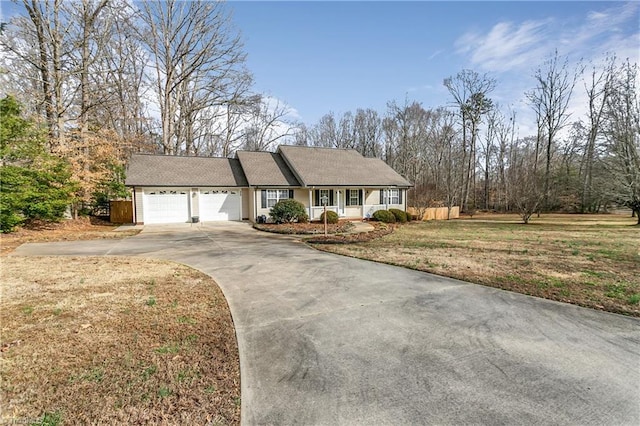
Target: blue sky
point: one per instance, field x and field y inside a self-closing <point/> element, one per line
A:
<point x="338" y="56"/>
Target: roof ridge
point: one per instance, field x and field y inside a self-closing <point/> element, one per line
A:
<point x="180" y="156"/>
<point x="318" y="147"/>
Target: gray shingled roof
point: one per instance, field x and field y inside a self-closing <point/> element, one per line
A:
<point x="168" y="170"/>
<point x="339" y="167"/>
<point x="266" y="169"/>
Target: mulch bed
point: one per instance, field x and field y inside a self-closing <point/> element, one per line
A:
<point x="381" y="229"/>
<point x="311" y="228"/>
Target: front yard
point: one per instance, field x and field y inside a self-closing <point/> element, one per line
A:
<point x="83" y="228"/>
<point x="589" y="260"/>
<point x="106" y="340"/>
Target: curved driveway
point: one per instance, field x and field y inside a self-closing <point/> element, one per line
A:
<point x="326" y="339"/>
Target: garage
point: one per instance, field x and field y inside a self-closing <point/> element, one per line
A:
<point x="176" y="189"/>
<point x="166" y="205"/>
<point x="219" y="204"/>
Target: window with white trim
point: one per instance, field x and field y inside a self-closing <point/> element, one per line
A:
<point x="394" y="196"/>
<point x="390" y="196"/>
<point x="275" y="195"/>
<point x="323" y="193"/>
<point x="354" y="197"/>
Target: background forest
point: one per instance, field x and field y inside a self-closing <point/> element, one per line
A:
<point x="86" y="83"/>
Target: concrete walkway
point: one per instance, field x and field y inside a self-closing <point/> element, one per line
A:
<point x="331" y="340"/>
<point x="360" y="227"/>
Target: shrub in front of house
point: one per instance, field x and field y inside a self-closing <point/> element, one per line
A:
<point x="400" y="215"/>
<point x="287" y="211"/>
<point x="384" y="216"/>
<point x="332" y="217"/>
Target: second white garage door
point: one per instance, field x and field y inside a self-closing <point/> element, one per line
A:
<point x="219" y="205"/>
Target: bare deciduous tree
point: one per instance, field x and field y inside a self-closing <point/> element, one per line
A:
<point x="196" y="57"/>
<point x="623" y="137"/>
<point x="598" y="88"/>
<point x="267" y="124"/>
<point x="47" y="25"/>
<point x="550" y="101"/>
<point x="470" y="92"/>
<point x="368" y="132"/>
<point x="525" y="184"/>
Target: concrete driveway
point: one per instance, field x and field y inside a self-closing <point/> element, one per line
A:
<point x="326" y="339"/>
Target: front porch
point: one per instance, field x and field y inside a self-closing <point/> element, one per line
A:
<point x="348" y="203"/>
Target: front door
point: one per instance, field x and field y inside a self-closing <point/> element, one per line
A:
<point x="340" y="194"/>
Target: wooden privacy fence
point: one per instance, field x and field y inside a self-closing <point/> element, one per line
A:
<point x="438" y="213"/>
<point x="121" y="211"/>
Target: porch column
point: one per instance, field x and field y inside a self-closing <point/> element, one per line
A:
<point x="310" y="205"/>
<point x="255" y="205"/>
<point x="386" y="199"/>
<point x="364" y="203"/>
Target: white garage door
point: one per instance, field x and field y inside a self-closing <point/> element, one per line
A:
<point x="166" y="205"/>
<point x="219" y="204"/>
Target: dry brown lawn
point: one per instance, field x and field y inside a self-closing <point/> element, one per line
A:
<point x="589" y="260"/>
<point x="83" y="228"/>
<point x="105" y="340"/>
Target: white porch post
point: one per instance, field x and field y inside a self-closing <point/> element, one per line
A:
<point x="310" y="205"/>
<point x="255" y="205"/>
<point x="386" y="199"/>
<point x="364" y="203"/>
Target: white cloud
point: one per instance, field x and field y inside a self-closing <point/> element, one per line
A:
<point x="420" y="88"/>
<point x="511" y="51"/>
<point x="435" y="54"/>
<point x="273" y="103"/>
<point x="509" y="46"/>
<point x="506" y="45"/>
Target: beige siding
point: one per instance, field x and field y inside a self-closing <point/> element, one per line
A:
<point x="372" y="197"/>
<point x="353" y="212"/>
<point x="246" y="203"/>
<point x="301" y="195"/>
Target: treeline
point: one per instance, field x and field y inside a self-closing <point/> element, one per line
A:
<point x="104" y="78"/>
<point x="471" y="155"/>
<point x="96" y="80"/>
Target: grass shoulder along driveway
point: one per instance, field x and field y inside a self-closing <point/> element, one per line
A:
<point x="104" y="340"/>
<point x="588" y="260"/>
